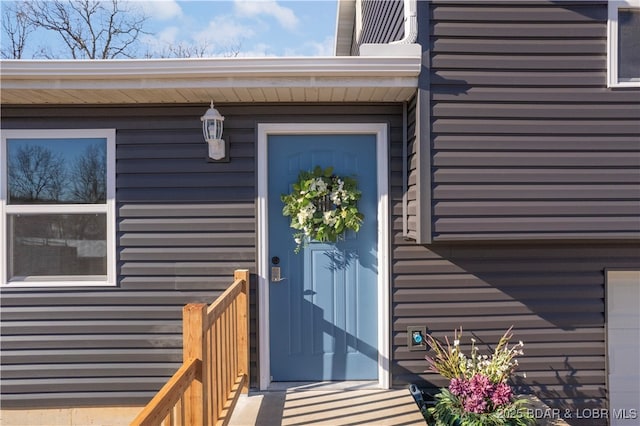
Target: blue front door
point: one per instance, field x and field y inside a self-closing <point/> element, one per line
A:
<point x="323" y="312"/>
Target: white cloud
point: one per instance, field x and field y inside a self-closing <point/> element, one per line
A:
<point x="324" y="48"/>
<point x="256" y="8"/>
<point x="312" y="48"/>
<point x="161" y="10"/>
<point x="223" y="32"/>
<point x="168" y="35"/>
<point x="157" y="41"/>
<point x="260" y="50"/>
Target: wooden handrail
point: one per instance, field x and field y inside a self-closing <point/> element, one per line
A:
<point x="215" y="367"/>
<point x="222" y="302"/>
<point x="162" y="404"/>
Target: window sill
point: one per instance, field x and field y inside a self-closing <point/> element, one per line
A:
<point x="58" y="282"/>
<point x="624" y="85"/>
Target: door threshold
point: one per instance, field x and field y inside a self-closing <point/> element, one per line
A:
<point x="325" y="386"/>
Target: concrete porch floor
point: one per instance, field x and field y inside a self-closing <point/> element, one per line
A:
<point x="332" y="404"/>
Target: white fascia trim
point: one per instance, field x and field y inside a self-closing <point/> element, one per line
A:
<point x="333" y="66"/>
<point x="271" y="73"/>
<point x="384" y="282"/>
<point x="204" y="83"/>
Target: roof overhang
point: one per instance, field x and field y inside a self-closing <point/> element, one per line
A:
<point x="282" y="79"/>
<point x="345" y="23"/>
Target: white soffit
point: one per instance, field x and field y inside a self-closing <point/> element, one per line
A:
<point x="345" y="21"/>
<point x="299" y="79"/>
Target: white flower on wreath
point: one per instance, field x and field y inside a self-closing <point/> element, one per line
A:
<point x="328" y="218"/>
<point x="306" y="213"/>
<point x="318" y="185"/>
<point x="338" y="193"/>
<point x="313" y="191"/>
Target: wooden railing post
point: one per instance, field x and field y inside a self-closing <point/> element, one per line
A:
<point x="243" y="326"/>
<point x="215" y="369"/>
<point x="193" y="339"/>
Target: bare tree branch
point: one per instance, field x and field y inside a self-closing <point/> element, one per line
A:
<point x="91" y="29"/>
<point x="36" y="174"/>
<point x="16" y="29"/>
<point x="201" y="50"/>
<point x="89" y="175"/>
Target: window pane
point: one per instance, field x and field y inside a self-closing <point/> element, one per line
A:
<point x="57" y="245"/>
<point x="57" y="171"/>
<point x="628" y="44"/>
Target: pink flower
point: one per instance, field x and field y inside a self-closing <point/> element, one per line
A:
<point x="481" y="385"/>
<point x="459" y="387"/>
<point x="475" y="403"/>
<point x="501" y="395"/>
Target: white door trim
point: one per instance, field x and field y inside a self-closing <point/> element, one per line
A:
<point x="381" y="132"/>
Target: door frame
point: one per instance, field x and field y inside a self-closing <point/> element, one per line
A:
<point x="380" y="130"/>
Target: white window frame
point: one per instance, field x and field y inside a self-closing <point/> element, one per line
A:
<point x="612" y="43"/>
<point x="107" y="208"/>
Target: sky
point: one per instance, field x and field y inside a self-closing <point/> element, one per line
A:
<point x="250" y="28"/>
<point x="243" y="28"/>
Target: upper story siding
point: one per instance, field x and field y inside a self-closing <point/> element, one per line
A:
<point x="520" y="138"/>
<point x="382" y="21"/>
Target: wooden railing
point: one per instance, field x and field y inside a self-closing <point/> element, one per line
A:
<point x="215" y="367"/>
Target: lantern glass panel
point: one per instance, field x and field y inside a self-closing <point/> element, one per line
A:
<point x="213" y="129"/>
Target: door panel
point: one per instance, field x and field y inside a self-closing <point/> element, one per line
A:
<point x="623" y="346"/>
<point x="323" y="313"/>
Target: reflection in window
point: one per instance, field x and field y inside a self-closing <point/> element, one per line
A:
<point x="56" y="171"/>
<point x="628" y="44"/>
<point x="57" y="245"/>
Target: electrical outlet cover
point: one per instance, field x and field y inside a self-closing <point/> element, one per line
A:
<point x="416" y="335"/>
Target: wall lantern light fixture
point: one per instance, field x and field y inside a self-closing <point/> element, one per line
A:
<point x="212" y="127"/>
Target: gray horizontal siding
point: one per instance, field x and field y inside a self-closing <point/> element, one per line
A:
<point x="183" y="226"/>
<point x="382" y="22"/>
<point x="510" y="13"/>
<point x="526" y="143"/>
<point x="527" y="140"/>
<point x="551" y="293"/>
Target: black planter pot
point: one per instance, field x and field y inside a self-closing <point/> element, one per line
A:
<point x="423" y="400"/>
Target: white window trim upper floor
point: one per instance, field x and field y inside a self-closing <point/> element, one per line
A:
<point x="612" y="43"/>
<point x="107" y="208"/>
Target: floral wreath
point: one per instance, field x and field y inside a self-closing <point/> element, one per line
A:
<point x="322" y="206"/>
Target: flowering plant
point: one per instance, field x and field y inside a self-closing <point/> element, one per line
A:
<point x="478" y="392"/>
<point x="322" y="206"/>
